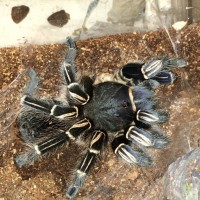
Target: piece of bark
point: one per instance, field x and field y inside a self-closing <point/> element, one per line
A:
<point x="18" y="13"/>
<point x="59" y="18"/>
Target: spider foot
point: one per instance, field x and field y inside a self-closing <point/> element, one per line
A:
<point x="78" y="182"/>
<point x="31" y="88"/>
<point x="71" y="50"/>
<point x="174" y="62"/>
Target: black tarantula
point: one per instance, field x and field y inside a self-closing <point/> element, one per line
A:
<point x="124" y="107"/>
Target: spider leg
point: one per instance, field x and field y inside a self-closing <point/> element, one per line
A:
<point x="71" y="50"/>
<point x="124" y="150"/>
<point x="78" y="92"/>
<point x="43" y="146"/>
<point x="31" y="88"/>
<point x="87" y="162"/>
<point x="157" y="70"/>
<point x="58" y="111"/>
<point x="35" y="150"/>
<point x="151" y="116"/>
<point x="147" y="138"/>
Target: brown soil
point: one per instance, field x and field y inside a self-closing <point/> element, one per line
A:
<point x="111" y="179"/>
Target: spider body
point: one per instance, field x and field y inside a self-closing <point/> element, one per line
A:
<point x="111" y="107"/>
<point x="126" y="108"/>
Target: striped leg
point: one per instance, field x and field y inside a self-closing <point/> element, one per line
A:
<point x="58" y="111"/>
<point x="151" y="117"/>
<point x="36" y="149"/>
<point x="88" y="161"/>
<point x="77" y="91"/>
<point x="123" y="149"/>
<point x="157" y="70"/>
<point x="147" y="138"/>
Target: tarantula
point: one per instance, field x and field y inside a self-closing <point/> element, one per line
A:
<point x="124" y="107"/>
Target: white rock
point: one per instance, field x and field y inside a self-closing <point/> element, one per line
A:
<point x="179" y="25"/>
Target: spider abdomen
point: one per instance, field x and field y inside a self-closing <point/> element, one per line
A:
<point x="111" y="107"/>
